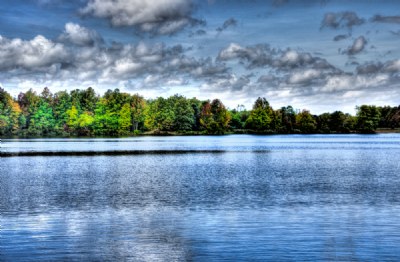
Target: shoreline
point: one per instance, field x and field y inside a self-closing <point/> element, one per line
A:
<point x="238" y="132"/>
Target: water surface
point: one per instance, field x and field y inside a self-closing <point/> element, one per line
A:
<point x="318" y="197"/>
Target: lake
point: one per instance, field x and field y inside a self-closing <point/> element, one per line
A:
<point x="204" y="198"/>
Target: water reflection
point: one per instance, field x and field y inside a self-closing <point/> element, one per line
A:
<point x="296" y="202"/>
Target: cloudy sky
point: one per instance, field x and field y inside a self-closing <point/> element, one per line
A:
<point x="321" y="55"/>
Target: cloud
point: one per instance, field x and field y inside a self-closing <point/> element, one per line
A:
<point x="346" y="82"/>
<point x="357" y="46"/>
<point x="79" y="35"/>
<point x="230" y="83"/>
<point x="252" y="56"/>
<point x="291" y="58"/>
<point x="266" y="78"/>
<point x="389" y="67"/>
<point x="386" y="19"/>
<point x="166" y="17"/>
<point x="369" y="68"/>
<point x="35" y="54"/>
<point x="199" y="32"/>
<point x="340" y="20"/>
<point x="258" y="56"/>
<point x="392" y="66"/>
<point x="292" y="76"/>
<point x="231" y="22"/>
<point x="304" y="76"/>
<point x="340" y="37"/>
<point x="76" y="59"/>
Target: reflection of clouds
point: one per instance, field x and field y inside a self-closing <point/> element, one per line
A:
<point x="73" y="225"/>
<point x="145" y="234"/>
<point x="173" y="234"/>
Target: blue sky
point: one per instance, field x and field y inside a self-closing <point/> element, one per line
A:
<point x="320" y="55"/>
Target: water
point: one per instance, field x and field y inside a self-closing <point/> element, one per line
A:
<point x="266" y="198"/>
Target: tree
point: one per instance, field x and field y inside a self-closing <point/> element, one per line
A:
<point x="28" y="103"/>
<point x="337" y="122"/>
<point x="46" y="96"/>
<point x="85" y="123"/>
<point x="124" y="119"/>
<point x="196" y="106"/>
<point x="239" y="116"/>
<point x="260" y="116"/>
<point x="4" y="124"/>
<point x="394" y="120"/>
<point x="367" y="118"/>
<point x="206" y="117"/>
<point x="184" y="114"/>
<point x="42" y="121"/>
<point x="236" y="122"/>
<point x="72" y="118"/>
<point x="138" y="107"/>
<point x="88" y="100"/>
<point x="100" y="119"/>
<point x="214" y="117"/>
<point x="160" y="115"/>
<point x="61" y="104"/>
<point x="288" y="119"/>
<point x="14" y="114"/>
<point x="10" y="113"/>
<point x="323" y="123"/>
<point x="306" y="122"/>
<point x="83" y="112"/>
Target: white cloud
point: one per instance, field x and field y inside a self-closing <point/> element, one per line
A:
<point x="358" y="46"/>
<point x="34" y="54"/>
<point x="161" y="17"/>
<point x="230" y="52"/>
<point x="393" y="66"/>
<point x="304" y="77"/>
<point x="338" y="83"/>
<point x="79" y="35"/>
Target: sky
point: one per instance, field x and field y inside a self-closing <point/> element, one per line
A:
<point x="320" y="55"/>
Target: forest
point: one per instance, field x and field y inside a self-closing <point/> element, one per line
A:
<point x="85" y="113"/>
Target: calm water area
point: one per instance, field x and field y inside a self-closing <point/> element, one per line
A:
<point x="205" y="198"/>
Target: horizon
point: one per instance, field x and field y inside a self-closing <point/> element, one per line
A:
<point x="321" y="56"/>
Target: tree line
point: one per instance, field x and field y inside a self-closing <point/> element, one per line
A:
<point x="84" y="113"/>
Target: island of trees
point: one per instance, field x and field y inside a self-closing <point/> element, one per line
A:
<point x="84" y="113"/>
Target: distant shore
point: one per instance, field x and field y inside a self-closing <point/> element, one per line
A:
<point x="387" y="130"/>
<point x="202" y="133"/>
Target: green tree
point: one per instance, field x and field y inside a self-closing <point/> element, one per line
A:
<point x="367" y="118"/>
<point x="124" y="119"/>
<point x="138" y="107"/>
<point x="288" y="119"/>
<point x="72" y="118"/>
<point x="260" y="116"/>
<point x="184" y="114"/>
<point x="306" y="122"/>
<point x="61" y="104"/>
<point x="28" y="103"/>
<point x="85" y="123"/>
<point x="323" y="123"/>
<point x="4" y="125"/>
<point x="160" y="115"/>
<point x="42" y="121"/>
